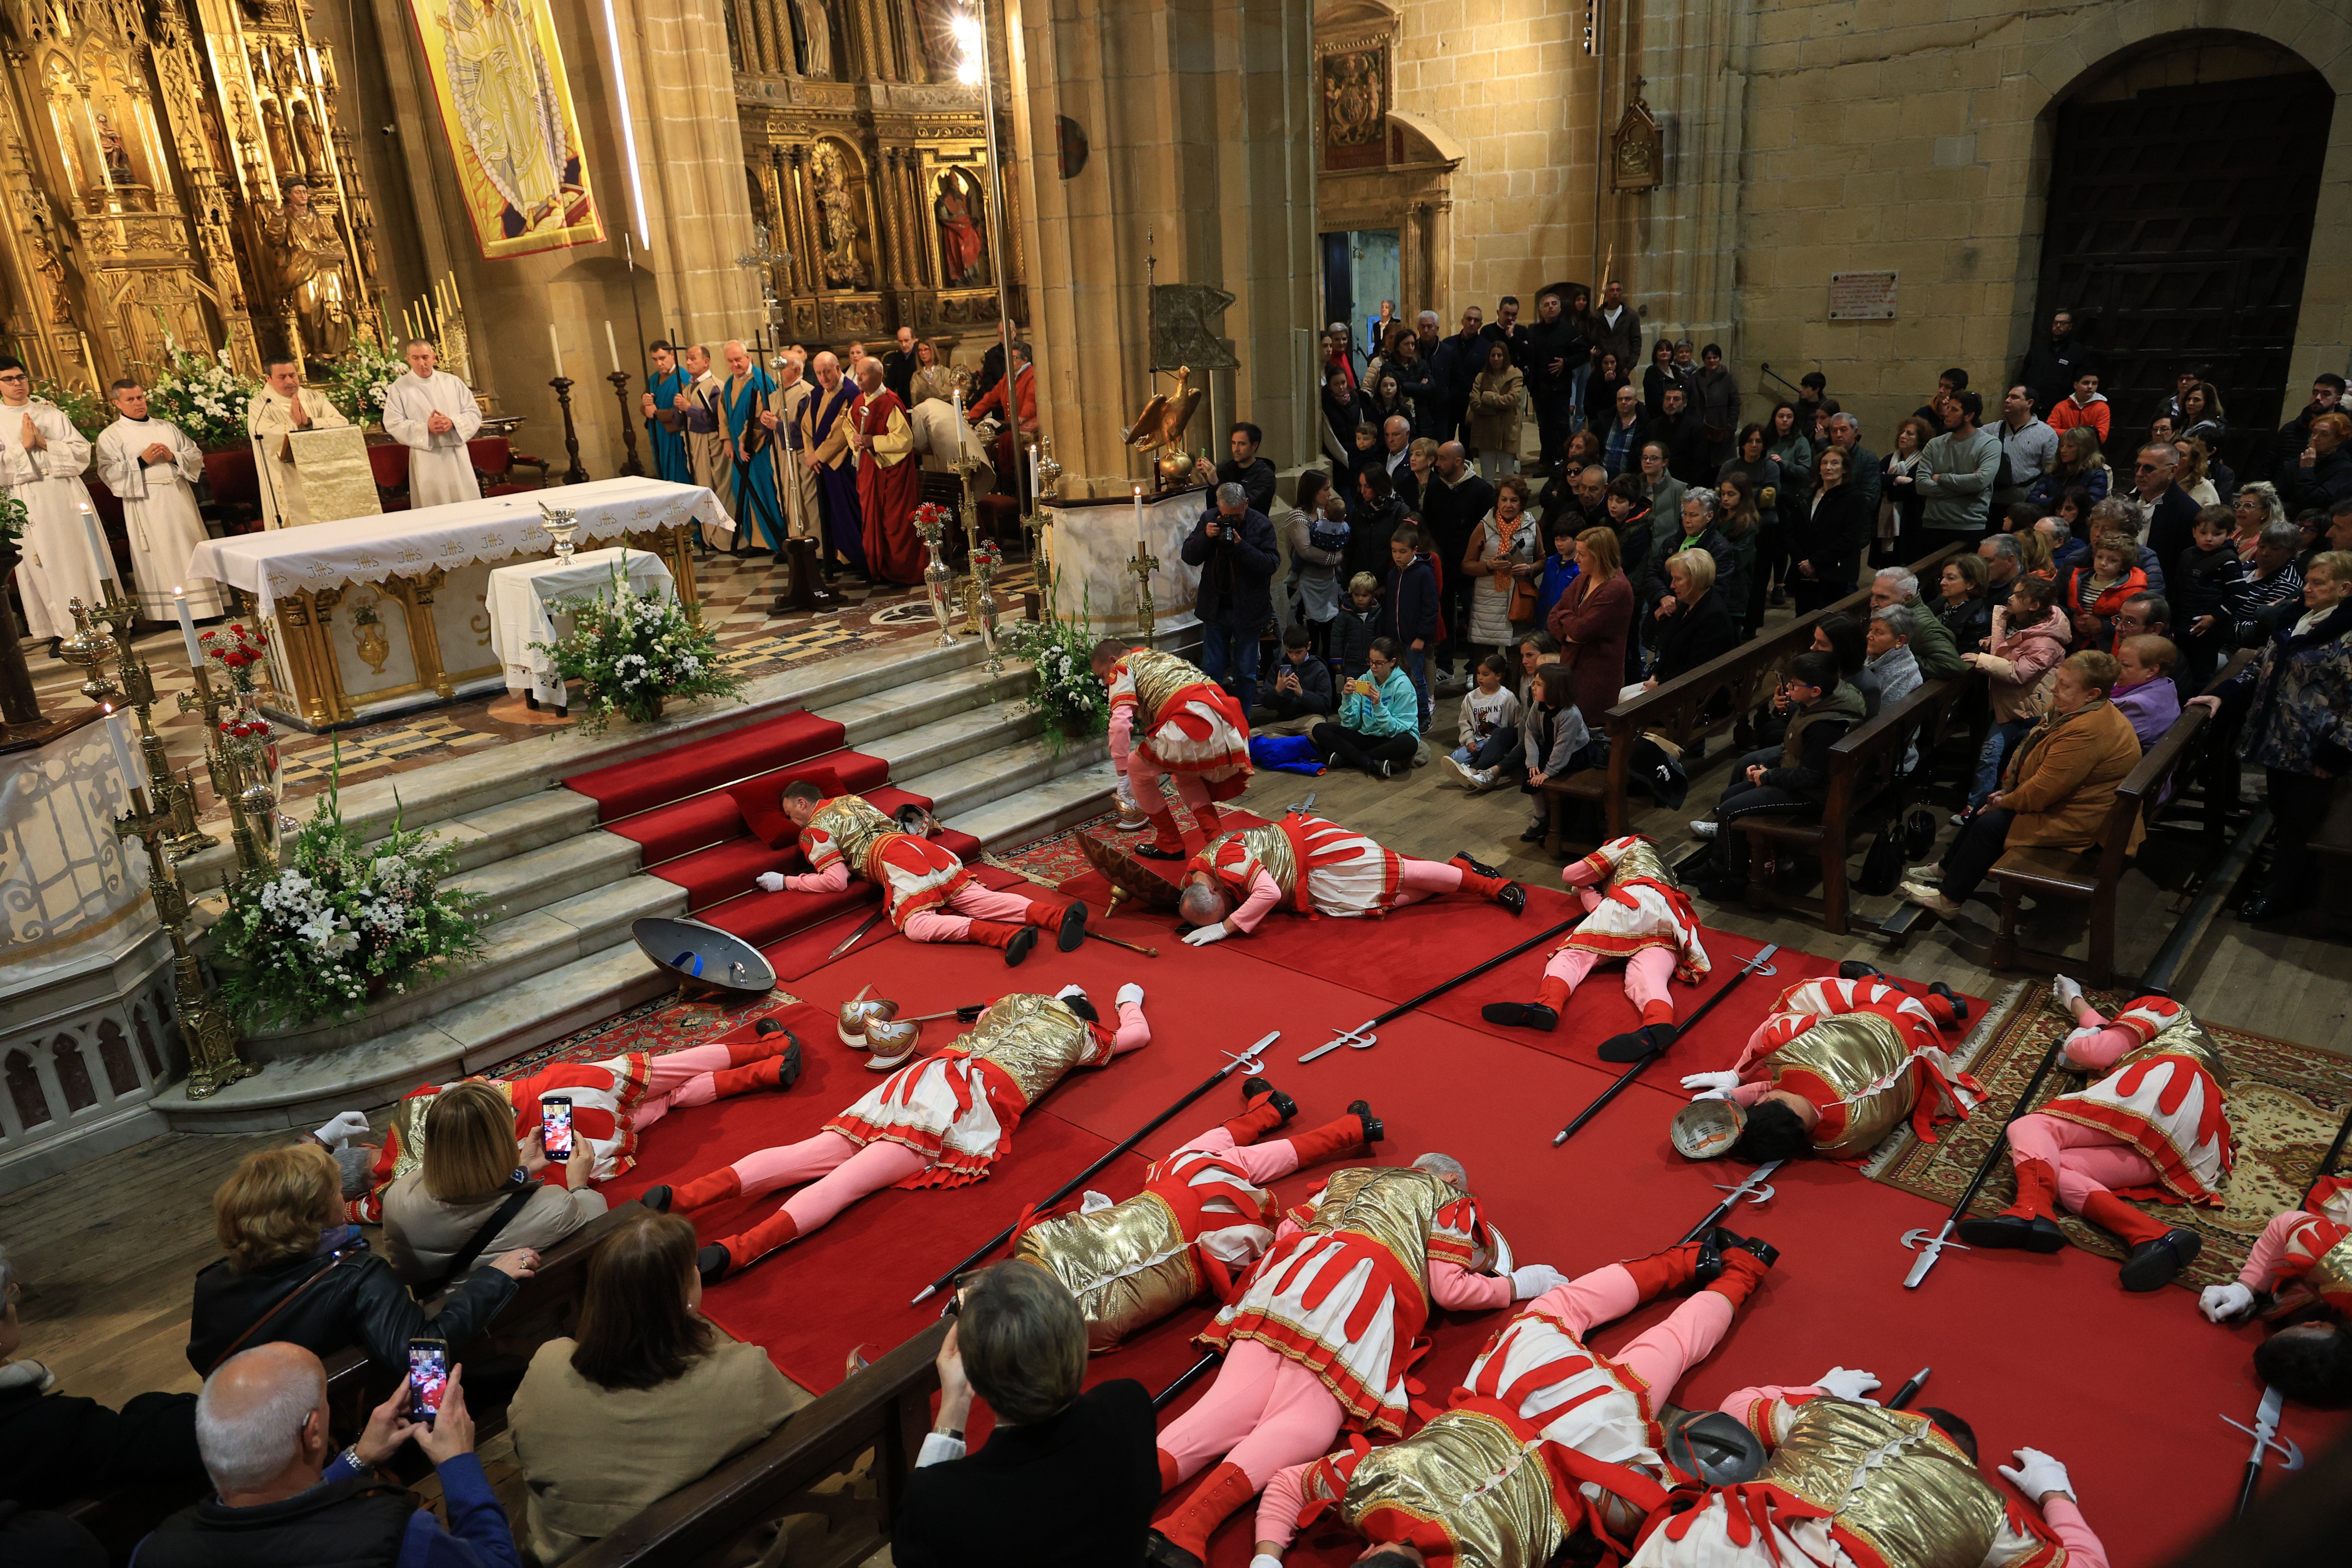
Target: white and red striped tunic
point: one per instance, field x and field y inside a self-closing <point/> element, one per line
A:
<point x="2164" y="1099"/>
<point x="1184" y="721"/>
<point x="1639" y="909"/>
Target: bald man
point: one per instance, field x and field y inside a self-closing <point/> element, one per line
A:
<point x="262" y="1424"/>
<point x="890" y="486"/>
<point x="828" y="418"/>
<point x="782" y="414"/>
<point x="759" y="517"/>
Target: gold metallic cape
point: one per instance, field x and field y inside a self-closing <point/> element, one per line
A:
<point x="1395" y="1207"/>
<point x="2185" y="1037"/>
<point x="1158" y="677"/>
<point x="1852" y="1052"/>
<point x="856" y="827"/>
<point x="1470" y="1475"/>
<point x="1273" y="851"/>
<point x="1128" y="1265"/>
<point x="1036" y="1040"/>
<point x="1906" y="1489"/>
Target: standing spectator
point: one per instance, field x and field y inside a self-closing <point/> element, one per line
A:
<point x="1814" y="405"/>
<point x="1453" y="364"/>
<point x="2076" y="465"/>
<point x="1961" y="603"/>
<point x="1396" y="447"/>
<point x="1666" y="493"/>
<point x="1716" y="397"/>
<point x="1957" y="477"/>
<point x="2163" y="512"/>
<point x="1580" y="501"/>
<point x="1861" y="464"/>
<point x="2144" y="689"/>
<point x="1558" y="355"/>
<point x="1492" y="751"/>
<point x="2161" y="429"/>
<point x="1379" y="727"/>
<point x="1377" y="330"/>
<point x="1660" y="376"/>
<point x="1505" y="329"/>
<point x="1339" y="354"/>
<point x="2295" y="701"/>
<point x="1822" y="708"/>
<point x="1586" y="323"/>
<point x="1736" y="577"/>
<point x="1411" y="612"/>
<point x="2255" y="508"/>
<point x="2272" y="587"/>
<point x="1598" y="403"/>
<point x="1592" y="622"/>
<point x="1559" y="567"/>
<point x="1416" y="374"/>
<point x="1452" y="504"/>
<point x="1413" y="478"/>
<point x="455" y="1211"/>
<point x="2052" y="365"/>
<point x="1234" y="546"/>
<point x="2084" y="405"/>
<point x="2190" y="472"/>
<point x="1795" y="454"/>
<point x="1619" y="324"/>
<point x="1343" y="412"/>
<point x="1502" y="554"/>
<point x="1372" y="518"/>
<point x="1497" y="409"/>
<point x="1316" y="532"/>
<point x="1692" y="624"/>
<point x="1901" y="507"/>
<point x="2321" y="474"/>
<point x="1383" y="399"/>
<point x="2029" y="636"/>
<point x="1930" y="639"/>
<point x="1684" y="439"/>
<point x="1826" y="549"/>
<point x="2094" y="594"/>
<point x="1951" y="383"/>
<point x="1355" y="626"/>
<point x="2030" y="445"/>
<point x="1302" y="683"/>
<point x="2201" y="418"/>
<point x="1625" y="512"/>
<point x="2055" y="792"/>
<point x="643" y="1398"/>
<point x="1625" y="434"/>
<point x="1244" y="466"/>
<point x="2327" y="395"/>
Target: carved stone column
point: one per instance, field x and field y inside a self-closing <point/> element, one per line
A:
<point x="1688" y="232"/>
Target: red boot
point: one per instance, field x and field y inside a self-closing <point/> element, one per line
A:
<point x="1742" y="1272"/>
<point x="1659" y="1011"/>
<point x="1552" y="994"/>
<point x="772" y="1072"/>
<point x="1205" y="816"/>
<point x="1349" y="1137"/>
<point x="1182" y="1538"/>
<point x="701" y="1192"/>
<point x="759" y="1046"/>
<point x="1016" y="941"/>
<point x="734" y="1254"/>
<point x="1064" y="917"/>
<point x="1169" y="1479"/>
<point x="2029" y="1223"/>
<point x="1663" y="1272"/>
<point x="1265" y="1110"/>
<point x="1167" y="841"/>
<point x="2109" y="1212"/>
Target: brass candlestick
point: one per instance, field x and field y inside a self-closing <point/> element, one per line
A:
<point x="243" y="796"/>
<point x="204" y="1025"/>
<point x="1143" y="565"/>
<point x="629" y="463"/>
<point x="964" y="463"/>
<point x="135" y="682"/>
<point x="575" y="474"/>
<point x="89" y="647"/>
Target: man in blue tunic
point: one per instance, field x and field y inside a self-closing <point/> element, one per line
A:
<point x="759" y="519"/>
<point x="665" y="417"/>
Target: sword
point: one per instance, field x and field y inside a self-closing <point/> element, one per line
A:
<point x="1302" y="806"/>
<point x="2264" y="1432"/>
<point x="1754" y="1190"/>
<point x="1184" y="1380"/>
<point x="1361" y="1036"/>
<point x="1910" y="1391"/>
<point x="1931" y="1247"/>
<point x="1759" y="965"/>
<point x="851" y="939"/>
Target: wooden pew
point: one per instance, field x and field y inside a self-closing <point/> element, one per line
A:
<point x="1696" y="705"/>
<point x="1864" y="768"/>
<point x="883" y="1410"/>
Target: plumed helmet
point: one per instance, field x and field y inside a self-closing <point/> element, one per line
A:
<point x="860" y="1014"/>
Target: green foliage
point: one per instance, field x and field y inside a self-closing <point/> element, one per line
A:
<point x="633" y="652"/>
<point x="1065" y="691"/>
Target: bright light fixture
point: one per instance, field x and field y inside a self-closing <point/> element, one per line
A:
<point x="628" y="126"/>
<point x="965" y="27"/>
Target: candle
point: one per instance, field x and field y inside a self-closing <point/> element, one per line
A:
<point x="959" y="404"/>
<point x="1141" y="542"/>
<point x="556" y="348"/>
<point x="613" y="348"/>
<point x="131" y="777"/>
<point x="97" y="543"/>
<point x="187" y="627"/>
<point x="1033" y="471"/>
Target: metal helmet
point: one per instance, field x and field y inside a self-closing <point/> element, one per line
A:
<point x="1715" y="1448"/>
<point x="860" y="1014"/>
<point x="1705" y="1129"/>
<point x="893" y="1041"/>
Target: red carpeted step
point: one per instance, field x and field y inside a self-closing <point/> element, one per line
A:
<point x="685" y="826"/>
<point x="727" y="870"/>
<point x="762" y="919"/>
<point x="629" y="787"/>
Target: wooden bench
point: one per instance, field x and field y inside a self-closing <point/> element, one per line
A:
<point x="1696" y="705"/>
<point x="1865" y="767"/>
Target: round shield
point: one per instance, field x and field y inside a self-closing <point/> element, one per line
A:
<point x="1715" y="1448"/>
<point x="1706" y="1127"/>
<point x="703" y="956"/>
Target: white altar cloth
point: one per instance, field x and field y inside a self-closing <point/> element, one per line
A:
<point x="1093" y="542"/>
<point x="521" y="598"/>
<point x="403" y="544"/>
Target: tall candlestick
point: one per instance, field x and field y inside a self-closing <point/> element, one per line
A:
<point x="131" y="776"/>
<point x="613" y="348"/>
<point x="959" y="408"/>
<point x="555" y="348"/>
<point x="97" y="552"/>
<point x="187" y="627"/>
<point x="1141" y="542"/>
<point x="1033" y="473"/>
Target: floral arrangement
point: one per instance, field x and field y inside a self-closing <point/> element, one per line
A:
<point x="344" y="923"/>
<point x="987" y="560"/>
<point x="931" y="521"/>
<point x="234" y="646"/>
<point x="89" y="413"/>
<point x="204" y="397"/>
<point x="631" y="652"/>
<point x="1065" y="692"/>
<point x="364" y="377"/>
<point x="13" y="517"/>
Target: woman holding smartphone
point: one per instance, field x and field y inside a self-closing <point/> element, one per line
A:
<point x="477" y="1194"/>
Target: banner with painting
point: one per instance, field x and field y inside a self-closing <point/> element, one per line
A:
<point x="506" y="107"/>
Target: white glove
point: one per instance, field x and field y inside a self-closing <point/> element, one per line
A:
<point x="1266" y="1560"/>
<point x="770" y="881"/>
<point x="1130" y="991"/>
<point x="1204" y="935"/>
<point x="2221" y="1303"/>
<point x="1066" y="991"/>
<point x="351" y="1124"/>
<point x="1847" y="1382"/>
<point x="1715" y="1085"/>
<point x="2037" y="1475"/>
<point x="1094" y="1201"/>
<point x="1529" y="1280"/>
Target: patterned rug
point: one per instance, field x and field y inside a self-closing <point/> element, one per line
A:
<point x="664" y="1024"/>
<point x="2285" y="1103"/>
<point x="1054" y="859"/>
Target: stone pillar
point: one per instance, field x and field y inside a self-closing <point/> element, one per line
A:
<point x="1678" y="246"/>
<point x="1200" y="124"/>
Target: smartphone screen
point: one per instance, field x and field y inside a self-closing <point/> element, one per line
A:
<point x="555" y="1127"/>
<point x="428" y="1375"/>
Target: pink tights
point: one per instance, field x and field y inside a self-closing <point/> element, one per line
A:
<point x="1417" y="879"/>
<point x="676" y="1079"/>
<point x="2088" y="1161"/>
<point x="1143" y="775"/>
<point x="1264" y="1413"/>
<point x="1261" y="1162"/>
<point x="970" y="902"/>
<point x="1648" y="975"/>
<point x="1660" y="1355"/>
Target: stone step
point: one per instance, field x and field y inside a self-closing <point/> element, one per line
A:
<point x="470" y="1038"/>
<point x="536" y="877"/>
<point x="927" y="749"/>
<point x="922" y="701"/>
<point x="969" y="783"/>
<point x="516" y="826"/>
<point x="1042" y="809"/>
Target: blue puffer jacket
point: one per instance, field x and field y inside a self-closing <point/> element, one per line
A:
<point x="2298" y="694"/>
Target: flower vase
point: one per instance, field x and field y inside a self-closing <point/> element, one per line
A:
<point x="984" y="607"/>
<point x="938" y="577"/>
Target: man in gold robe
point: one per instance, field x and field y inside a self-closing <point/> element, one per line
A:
<point x="282" y="407"/>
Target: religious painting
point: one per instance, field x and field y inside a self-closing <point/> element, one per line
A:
<point x="1638" y="162"/>
<point x="963" y="247"/>
<point x="506" y="107"/>
<point x="1355" y="92"/>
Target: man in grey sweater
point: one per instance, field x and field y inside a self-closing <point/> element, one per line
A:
<point x="1955" y="478"/>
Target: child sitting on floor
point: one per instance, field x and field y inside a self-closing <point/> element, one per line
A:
<point x="1491" y="743"/>
<point x="1301" y="686"/>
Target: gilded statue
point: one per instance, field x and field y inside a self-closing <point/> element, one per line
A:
<point x="837" y="218"/>
<point x="314" y="271"/>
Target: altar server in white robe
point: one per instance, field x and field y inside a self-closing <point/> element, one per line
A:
<point x="41" y="459"/>
<point x="152" y="466"/>
<point x="434" y="414"/>
<point x="282" y="407"/>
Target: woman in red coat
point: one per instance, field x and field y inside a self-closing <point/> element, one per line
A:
<point x="1592" y="622"/>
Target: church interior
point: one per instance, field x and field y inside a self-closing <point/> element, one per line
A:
<point x="1757" y="600"/>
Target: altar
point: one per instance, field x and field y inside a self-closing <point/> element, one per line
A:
<point x="1091" y="544"/>
<point x="371" y="616"/>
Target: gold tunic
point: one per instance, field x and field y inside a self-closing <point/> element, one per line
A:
<point x="1852" y="1052"/>
<point x="2330" y="1275"/>
<point x="856" y="829"/>
<point x="1158" y="677"/>
<point x="2184" y="1036"/>
<point x="1642" y="860"/>
<point x="1128" y="1265"/>
<point x="1397" y="1208"/>
<point x="1036" y="1040"/>
<point x="1470" y="1474"/>
<point x="1272" y="849"/>
<point x="1893" y="1480"/>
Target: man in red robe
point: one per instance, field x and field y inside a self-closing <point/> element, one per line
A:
<point x="1020" y="386"/>
<point x="889" y="486"/>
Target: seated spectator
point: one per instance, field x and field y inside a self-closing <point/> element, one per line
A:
<point x="1492" y="749"/>
<point x="1825" y="546"/>
<point x="1379" y="718"/>
<point x="2066" y="550"/>
<point x="2029" y="636"/>
<point x="2144" y="687"/>
<point x="475" y="1196"/>
<point x="1357" y="624"/>
<point x="2272" y="587"/>
<point x="1593" y="621"/>
<point x="1555" y="742"/>
<point x="2080" y="466"/>
<point x="262" y="1423"/>
<point x="2034" y="557"/>
<point x="2145" y="614"/>
<point x="2055" y="790"/>
<point x="2256" y="507"/>
<point x="2319" y="476"/>
<point x="1796" y="783"/>
<point x="1842" y="637"/>
<point x="2191" y="476"/>
<point x="1931" y="641"/>
<point x="2292" y="702"/>
<point x="1537" y="649"/>
<point x="1961" y="603"/>
<point x="2003" y="566"/>
<point x="2094" y="594"/>
<point x="646" y="1397"/>
<point x="2313" y="529"/>
<point x="1892" y="664"/>
<point x="1692" y="623"/>
<point x="1301" y="686"/>
<point x="296" y="1267"/>
<point x="1067" y="1479"/>
<point x="1559" y="567"/>
<point x="2117" y="517"/>
<point x="2210" y="581"/>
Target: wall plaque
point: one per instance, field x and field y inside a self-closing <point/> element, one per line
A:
<point x="1862" y="296"/>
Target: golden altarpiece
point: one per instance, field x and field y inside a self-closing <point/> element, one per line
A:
<point x="181" y="171"/>
<point x="868" y="165"/>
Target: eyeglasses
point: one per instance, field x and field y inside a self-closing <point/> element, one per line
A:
<point x="2148" y="468"/>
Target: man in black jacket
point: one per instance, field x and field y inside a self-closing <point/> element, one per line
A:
<point x="899" y="367"/>
<point x="1678" y="429"/>
<point x="2168" y="514"/>
<point x="1234" y="546"/>
<point x="1506" y="327"/>
<point x="1245" y="467"/>
<point x="1556" y="351"/>
<point x="2051" y="365"/>
<point x="1454" y="502"/>
<point x="1453" y="364"/>
<point x="2286" y="448"/>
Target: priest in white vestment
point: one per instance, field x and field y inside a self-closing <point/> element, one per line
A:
<point x="152" y="467"/>
<point x="434" y="414"/>
<point x="41" y="459"/>
<point x="282" y="407"/>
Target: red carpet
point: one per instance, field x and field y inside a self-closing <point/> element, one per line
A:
<point x="2047" y="1351"/>
<point x="628" y="787"/>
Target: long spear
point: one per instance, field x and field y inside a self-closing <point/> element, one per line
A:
<point x="1363" y="1038"/>
<point x="1249" y="1059"/>
<point x="1759" y="965"/>
<point x="1931" y="1247"/>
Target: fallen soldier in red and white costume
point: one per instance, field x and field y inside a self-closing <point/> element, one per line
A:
<point x="930" y="894"/>
<point x="1836" y="1066"/>
<point x="1324" y="1332"/>
<point x="1167" y="718"/>
<point x="1846" y="1484"/>
<point x="940" y="1121"/>
<point x="1202" y="1217"/>
<point x="1461" y="1490"/>
<point x="2308" y="1250"/>
<point x="2154" y="1127"/>
<point x="1311" y="867"/>
<point x="613" y="1103"/>
<point x="1635" y="912"/>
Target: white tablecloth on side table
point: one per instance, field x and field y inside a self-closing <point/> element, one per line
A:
<point x="521" y="598"/>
